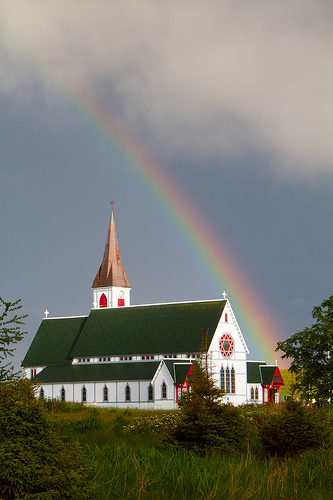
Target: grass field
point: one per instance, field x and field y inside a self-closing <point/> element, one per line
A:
<point x="125" y="466"/>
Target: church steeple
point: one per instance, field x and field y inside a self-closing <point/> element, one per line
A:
<point x="111" y="286"/>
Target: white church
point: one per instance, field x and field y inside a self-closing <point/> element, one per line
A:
<point x="140" y="356"/>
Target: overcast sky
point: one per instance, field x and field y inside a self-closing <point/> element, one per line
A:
<point x="232" y="99"/>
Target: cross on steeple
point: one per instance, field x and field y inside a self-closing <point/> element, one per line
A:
<point x="112" y="203"/>
<point x="46" y="313"/>
<point x="224" y="294"/>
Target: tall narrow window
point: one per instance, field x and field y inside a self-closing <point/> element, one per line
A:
<point x="222" y="379"/>
<point x="84" y="394"/>
<point x="257" y="393"/>
<point x="121" y="300"/>
<point x="233" y="381"/>
<point x="103" y="300"/>
<point x="252" y="393"/>
<point x="150" y="393"/>
<point x="41" y="393"/>
<point x="127" y="393"/>
<point x="164" y="390"/>
<point x="105" y="393"/>
<point x="63" y="394"/>
<point x="227" y="381"/>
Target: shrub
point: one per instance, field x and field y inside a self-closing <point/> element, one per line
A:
<point x="34" y="461"/>
<point x="85" y="425"/>
<point x="163" y="427"/>
<point x="221" y="427"/>
<point x="294" y="428"/>
<point x="93" y="411"/>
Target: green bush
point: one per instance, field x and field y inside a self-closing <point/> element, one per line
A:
<point x="93" y="411"/>
<point x="163" y="427"/>
<point x="34" y="461"/>
<point x="294" y="428"/>
<point x="86" y="425"/>
<point x="221" y="426"/>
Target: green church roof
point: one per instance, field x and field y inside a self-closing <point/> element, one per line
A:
<point x="101" y="372"/>
<point x="136" y="330"/>
<point x="259" y="373"/>
<point x="267" y="374"/>
<point x="154" y="329"/>
<point x="54" y="342"/>
<point x="178" y="369"/>
<point x="254" y="371"/>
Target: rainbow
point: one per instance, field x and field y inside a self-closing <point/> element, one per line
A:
<point x="258" y="329"/>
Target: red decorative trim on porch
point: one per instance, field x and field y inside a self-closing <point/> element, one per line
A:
<point x="275" y="384"/>
<point x="185" y="386"/>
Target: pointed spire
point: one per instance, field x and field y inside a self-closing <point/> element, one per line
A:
<point x="111" y="271"/>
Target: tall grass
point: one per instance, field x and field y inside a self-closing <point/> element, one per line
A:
<point x="164" y="474"/>
<point x="125" y="466"/>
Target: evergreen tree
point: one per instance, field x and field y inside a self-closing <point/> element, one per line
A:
<point x="35" y="463"/>
<point x="10" y="333"/>
<point x="205" y="422"/>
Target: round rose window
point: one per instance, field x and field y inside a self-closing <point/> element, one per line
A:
<point x="226" y="345"/>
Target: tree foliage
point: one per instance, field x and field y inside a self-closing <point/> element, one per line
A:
<point x="10" y="333"/>
<point x="204" y="392"/>
<point x="34" y="460"/>
<point x="204" y="421"/>
<point x="311" y="351"/>
<point x="294" y="428"/>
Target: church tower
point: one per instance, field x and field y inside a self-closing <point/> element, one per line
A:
<point x="111" y="287"/>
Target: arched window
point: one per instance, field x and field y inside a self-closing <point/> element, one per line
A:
<point x="103" y="300"/>
<point x="257" y="393"/>
<point x="105" y="393"/>
<point x="233" y="381"/>
<point x="252" y="393"/>
<point x="227" y="380"/>
<point x="222" y="379"/>
<point x="127" y="393"/>
<point x="63" y="394"/>
<point x="150" y="393"/>
<point x="41" y="393"/>
<point x="164" y="390"/>
<point x="84" y="394"/>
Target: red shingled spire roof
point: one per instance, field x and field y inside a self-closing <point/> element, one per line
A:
<point x="111" y="271"/>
